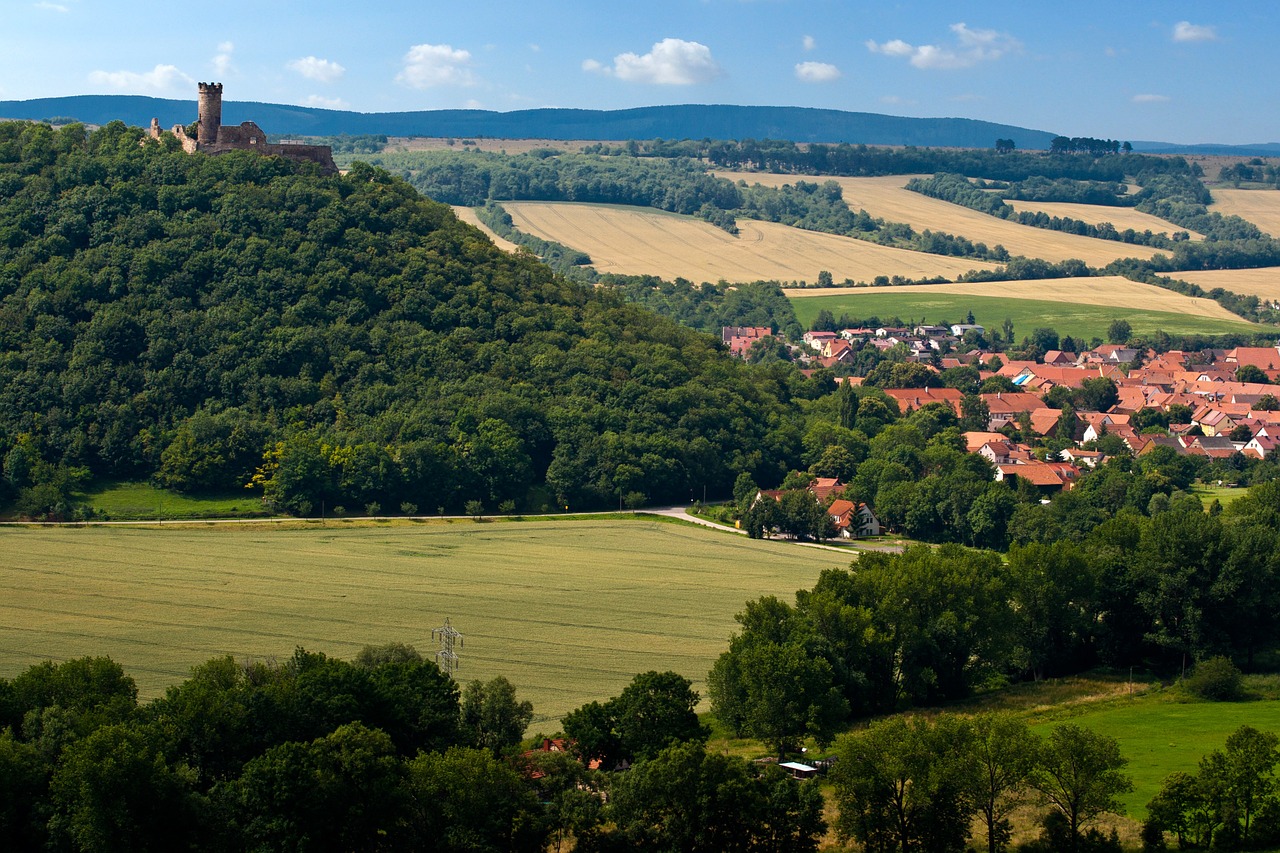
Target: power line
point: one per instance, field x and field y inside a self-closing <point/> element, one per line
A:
<point x="447" y="658"/>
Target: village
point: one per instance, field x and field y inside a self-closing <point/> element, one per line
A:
<point x="1213" y="403"/>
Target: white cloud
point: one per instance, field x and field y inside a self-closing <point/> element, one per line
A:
<point x="1187" y="31"/>
<point x="162" y="78"/>
<point x="971" y="47"/>
<point x="671" y="62"/>
<point x="1150" y="99"/>
<point x="222" y="61"/>
<point x="809" y="43"/>
<point x="326" y="103"/>
<point x="895" y="100"/>
<point x="816" y="72"/>
<point x="427" y="65"/>
<point x="320" y="70"/>
<point x="472" y="104"/>
<point x="53" y="7"/>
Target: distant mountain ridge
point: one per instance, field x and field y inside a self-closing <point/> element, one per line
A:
<point x="684" y="121"/>
<point x="681" y="121"/>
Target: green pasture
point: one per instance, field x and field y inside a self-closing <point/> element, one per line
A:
<point x="1160" y="735"/>
<point x="1080" y="321"/>
<point x="1226" y="495"/>
<point x="568" y="611"/>
<point x="141" y="500"/>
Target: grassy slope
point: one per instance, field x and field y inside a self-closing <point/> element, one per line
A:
<point x="121" y="501"/>
<point x="1079" y="321"/>
<point x="570" y="612"/>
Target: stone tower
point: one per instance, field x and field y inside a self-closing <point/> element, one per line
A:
<point x="210" y="113"/>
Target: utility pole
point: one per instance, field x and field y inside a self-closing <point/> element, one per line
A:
<point x="448" y="636"/>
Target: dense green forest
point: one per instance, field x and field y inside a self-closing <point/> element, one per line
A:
<point x="341" y="340"/>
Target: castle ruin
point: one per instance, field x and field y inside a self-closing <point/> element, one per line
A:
<point x="213" y="138"/>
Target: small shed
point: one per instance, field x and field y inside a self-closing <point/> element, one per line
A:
<point x="798" y="770"/>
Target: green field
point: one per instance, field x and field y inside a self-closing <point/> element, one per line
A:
<point x="1078" y="320"/>
<point x="1160" y="736"/>
<point x="568" y="611"/>
<point x="141" y="500"/>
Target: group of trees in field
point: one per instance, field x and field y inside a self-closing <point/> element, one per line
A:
<point x="909" y="783"/>
<point x="679" y="185"/>
<point x="383" y="753"/>
<point x="1089" y="581"/>
<point x="958" y="190"/>
<point x="339" y="341"/>
<point x="1231" y="802"/>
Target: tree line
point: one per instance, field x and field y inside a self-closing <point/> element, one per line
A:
<point x="381" y="753"/>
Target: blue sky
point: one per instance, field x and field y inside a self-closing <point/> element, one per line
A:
<point x="1172" y="71"/>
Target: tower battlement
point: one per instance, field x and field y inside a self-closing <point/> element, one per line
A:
<point x="212" y="138"/>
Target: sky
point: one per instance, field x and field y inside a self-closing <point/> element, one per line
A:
<point x="1183" y="72"/>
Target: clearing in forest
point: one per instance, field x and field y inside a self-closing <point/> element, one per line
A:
<point x="887" y="198"/>
<point x="643" y="241"/>
<point x="569" y="611"/>
<point x="1261" y="207"/>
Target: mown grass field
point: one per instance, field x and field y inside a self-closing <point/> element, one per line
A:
<point x="639" y="241"/>
<point x="124" y="501"/>
<point x="1082" y="308"/>
<point x="887" y="198"/>
<point x="1261" y="207"/>
<point x="568" y="611"/>
<point x="1160" y="735"/>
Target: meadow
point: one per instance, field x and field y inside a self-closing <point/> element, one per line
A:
<point x="888" y="198"/>
<point x="568" y="611"/>
<point x="1082" y="308"/>
<point x="644" y="241"/>
<point x="1160" y="735"/>
<point x="1261" y="207"/>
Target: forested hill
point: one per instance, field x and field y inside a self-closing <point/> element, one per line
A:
<point x="196" y="319"/>
<point x="688" y="121"/>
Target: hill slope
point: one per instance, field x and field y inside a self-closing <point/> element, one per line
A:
<point x="686" y="121"/>
<point x="177" y="316"/>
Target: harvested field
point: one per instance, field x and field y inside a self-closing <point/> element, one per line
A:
<point x="1261" y="207"/>
<point x="1096" y="214"/>
<point x="468" y="215"/>
<point x="569" y="611"/>
<point x="887" y="198"/>
<point x="1263" y="282"/>
<point x="639" y="241"/>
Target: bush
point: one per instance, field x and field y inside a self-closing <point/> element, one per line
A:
<point x="1216" y="679"/>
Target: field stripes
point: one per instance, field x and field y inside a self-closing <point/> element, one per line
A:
<point x="888" y="198"/>
<point x="569" y="611"/>
<point x="643" y="241"/>
<point x="1263" y="282"/>
<point x="1096" y="214"/>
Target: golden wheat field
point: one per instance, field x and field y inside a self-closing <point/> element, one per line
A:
<point x="640" y="241"/>
<point x="468" y="215"/>
<point x="1096" y="214"/>
<point x="887" y="198"/>
<point x="1261" y="207"/>
<point x="569" y="611"/>
<point x="1112" y="291"/>
<point x="1263" y="282"/>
